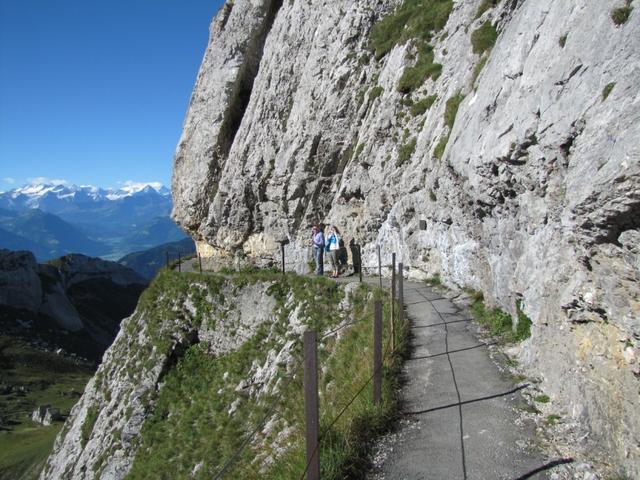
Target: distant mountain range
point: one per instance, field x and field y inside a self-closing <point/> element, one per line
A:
<point x="52" y="220"/>
<point x="148" y="262"/>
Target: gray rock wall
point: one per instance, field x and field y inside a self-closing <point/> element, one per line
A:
<point x="536" y="198"/>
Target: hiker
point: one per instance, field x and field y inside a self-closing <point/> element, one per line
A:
<point x="355" y="255"/>
<point x="318" y="248"/>
<point x="333" y="248"/>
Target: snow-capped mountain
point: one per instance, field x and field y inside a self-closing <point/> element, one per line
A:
<point x="31" y="196"/>
<point x="133" y="217"/>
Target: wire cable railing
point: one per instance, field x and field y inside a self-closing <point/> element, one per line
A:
<point x="389" y="349"/>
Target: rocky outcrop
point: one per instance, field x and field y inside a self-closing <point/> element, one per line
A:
<point x="73" y="294"/>
<point x="513" y="168"/>
<point x="45" y="415"/>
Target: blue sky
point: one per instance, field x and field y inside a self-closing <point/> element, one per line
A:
<point x="95" y="92"/>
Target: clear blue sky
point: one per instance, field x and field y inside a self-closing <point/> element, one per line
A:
<point x="95" y="92"/>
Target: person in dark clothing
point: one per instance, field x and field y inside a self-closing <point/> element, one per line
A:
<point x="355" y="255"/>
<point x="318" y="248"/>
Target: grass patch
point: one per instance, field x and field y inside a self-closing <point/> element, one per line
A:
<point x="620" y="15"/>
<point x="607" y="90"/>
<point x="496" y="321"/>
<point x="484" y="6"/>
<point x="499" y="323"/>
<point x="421" y="106"/>
<point x="208" y="404"/>
<point x="425" y="67"/>
<point x="405" y="151"/>
<point x="441" y="146"/>
<point x="413" y="19"/>
<point x="88" y="424"/>
<point x="562" y="41"/>
<point x="358" y="150"/>
<point x="375" y="92"/>
<point x="552" y="419"/>
<point x="47" y="379"/>
<point x="523" y="328"/>
<point x="450" y="114"/>
<point x="478" y="69"/>
<point x="484" y="38"/>
<point x="24" y="451"/>
<point x="417" y="20"/>
<point x="542" y="399"/>
<point x="451" y="109"/>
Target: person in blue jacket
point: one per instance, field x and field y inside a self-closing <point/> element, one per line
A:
<point x="317" y="241"/>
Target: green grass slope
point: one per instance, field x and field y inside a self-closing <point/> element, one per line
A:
<point x="30" y="378"/>
<point x="204" y="409"/>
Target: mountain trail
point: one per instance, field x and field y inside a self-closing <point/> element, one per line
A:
<point x="459" y="412"/>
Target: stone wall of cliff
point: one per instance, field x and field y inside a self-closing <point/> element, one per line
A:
<point x="510" y="128"/>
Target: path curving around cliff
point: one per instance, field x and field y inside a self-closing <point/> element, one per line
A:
<point x="459" y="413"/>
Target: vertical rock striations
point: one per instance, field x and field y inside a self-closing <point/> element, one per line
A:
<point x="511" y="131"/>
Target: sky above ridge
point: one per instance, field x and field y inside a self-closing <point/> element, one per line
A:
<point x="95" y="92"/>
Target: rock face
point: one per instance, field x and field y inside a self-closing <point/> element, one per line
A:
<point x="73" y="294"/>
<point x="531" y="193"/>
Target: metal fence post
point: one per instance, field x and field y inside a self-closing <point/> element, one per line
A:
<point x="393" y="301"/>
<point x="377" y="353"/>
<point x="400" y="293"/>
<point x="167" y="259"/>
<point x="179" y="263"/>
<point x="311" y="411"/>
<point x="200" y="262"/>
<point x="379" y="267"/>
<point x="360" y="261"/>
<point x="282" y="249"/>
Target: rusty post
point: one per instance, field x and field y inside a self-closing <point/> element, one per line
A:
<point x="179" y="263"/>
<point x="379" y="267"/>
<point x="282" y="249"/>
<point x="400" y="294"/>
<point x="393" y="301"/>
<point x="360" y="261"/>
<point x="200" y="262"/>
<point x="311" y="411"/>
<point x="377" y="353"/>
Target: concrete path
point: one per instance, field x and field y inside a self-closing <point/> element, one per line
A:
<point x="459" y="412"/>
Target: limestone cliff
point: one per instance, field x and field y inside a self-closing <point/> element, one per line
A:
<point x="509" y="127"/>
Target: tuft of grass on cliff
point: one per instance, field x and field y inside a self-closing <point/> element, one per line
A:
<point x="498" y="323"/>
<point x="417" y="21"/>
<point x="412" y="20"/>
<point x="208" y="406"/>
